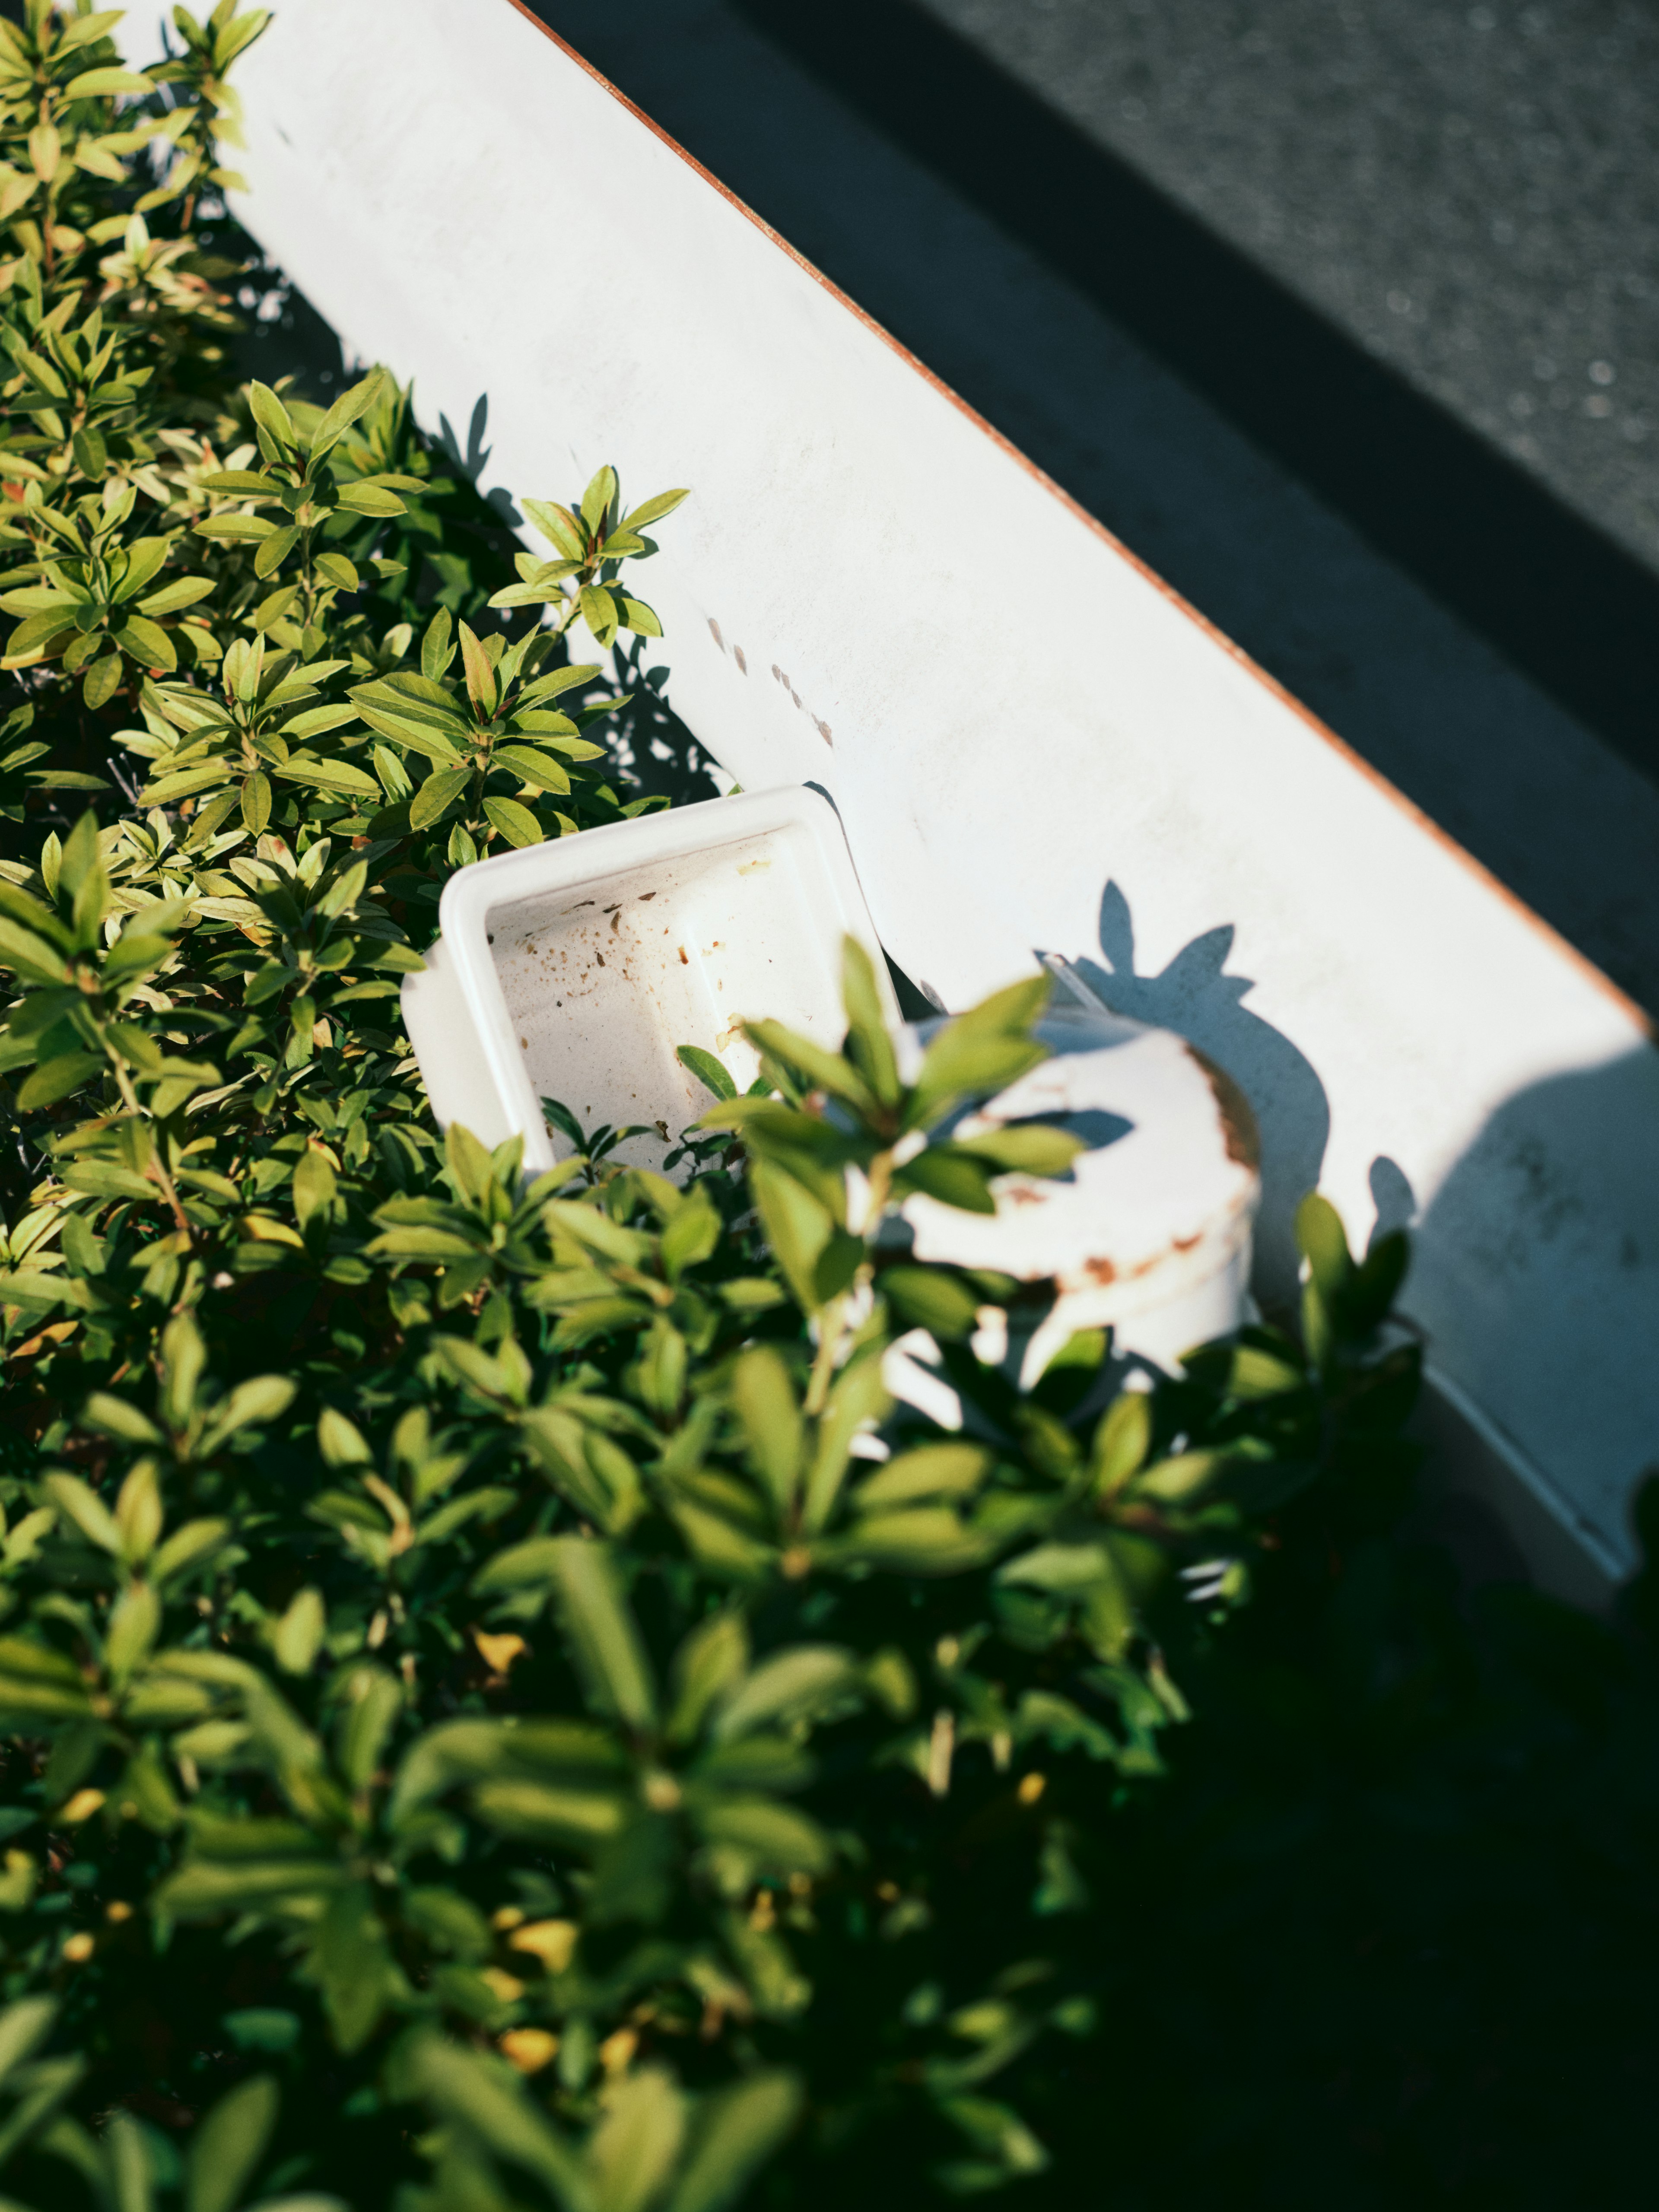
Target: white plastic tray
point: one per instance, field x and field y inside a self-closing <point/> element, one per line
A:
<point x="573" y="970"/>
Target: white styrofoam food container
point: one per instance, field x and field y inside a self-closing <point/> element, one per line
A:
<point x="573" y="970"/>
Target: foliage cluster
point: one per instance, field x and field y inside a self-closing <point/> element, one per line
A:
<point x="500" y="1706"/>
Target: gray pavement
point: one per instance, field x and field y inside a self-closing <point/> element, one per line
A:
<point x="1472" y="191"/>
<point x="1548" y="805"/>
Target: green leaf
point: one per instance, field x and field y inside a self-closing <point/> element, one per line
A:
<point x="546" y="725"/>
<point x="85" y="30"/>
<point x="84" y="877"/>
<point x="465" y="2087"/>
<point x="869" y="1048"/>
<point x="822" y="1070"/>
<point x="734" y="2132"/>
<point x="794" y="1684"/>
<point x="273" y="550"/>
<point x="78" y="1502"/>
<point x="271" y="416"/>
<point x="134" y="1620"/>
<point x="600" y="611"/>
<point x="1059" y="1567"/>
<point x="426" y="736"/>
<point x="635" y="616"/>
<point x="653" y="510"/>
<point x="165" y="789"/>
<point x="32" y="959"/>
<point x="183" y="592"/>
<point x="377" y="1699"/>
<point x="1324" y="1245"/>
<point x="858" y="1400"/>
<point x="440" y="1246"/>
<point x="21" y="1657"/>
<point x="637" y="2145"/>
<point x="954" y="1177"/>
<point x="597" y="499"/>
<point x="448" y="1921"/>
<point x="558" y="681"/>
<point x="708" y="1071"/>
<point x="1377" y="1279"/>
<point x="558" y="524"/>
<point x="350" y="1960"/>
<point x="818" y="1258"/>
<point x="104" y="1178"/>
<point x="399" y="959"/>
<point x="692" y="1235"/>
<point x="1121" y="1441"/>
<point x="778" y="1839"/>
<point x="42" y="633"/>
<point x="712" y="1660"/>
<point x="187" y="1548"/>
<point x="1029" y="1148"/>
<point x="265" y="2028"/>
<point x="481" y="682"/>
<point x="981" y="1052"/>
<point x="57" y="1078"/>
<point x="934" y="1298"/>
<point x="928" y="1471"/>
<point x="533" y="767"/>
<point x="41" y="601"/>
<point x="101" y="680"/>
<point x="262" y="1399"/>
<point x="107" y="84"/>
<point x="144" y="558"/>
<point x="328" y="776"/>
<point x="344" y="892"/>
<point x="1174" y="1479"/>
<point x="436" y="650"/>
<point x="537" y="1812"/>
<point x="47" y="2086"/>
<point x="346" y="410"/>
<point x="515" y="823"/>
<point x="147" y="642"/>
<point x="314" y="1184"/>
<point x="24" y="2026"/>
<point x="91" y="454"/>
<point x="435" y="798"/>
<point x="926" y="1539"/>
<point x="604" y="1642"/>
<point x="202" y="1889"/>
<point x="248" y="527"/>
<point x="23" y="1702"/>
<point x="370" y="499"/>
<point x="764" y="1399"/>
<point x="337" y="569"/>
<point x="236" y="36"/>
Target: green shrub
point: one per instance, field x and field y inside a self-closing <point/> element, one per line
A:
<point x="499" y="1705"/>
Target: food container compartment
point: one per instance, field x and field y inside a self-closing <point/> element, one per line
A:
<point x="573" y="970"/>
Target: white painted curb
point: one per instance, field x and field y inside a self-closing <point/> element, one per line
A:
<point x="1034" y="745"/>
